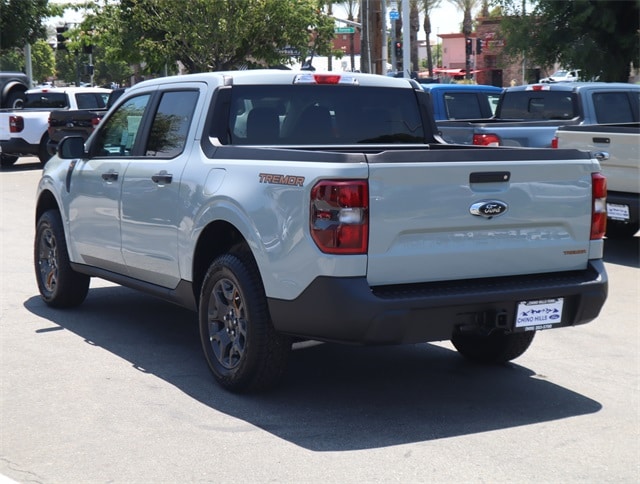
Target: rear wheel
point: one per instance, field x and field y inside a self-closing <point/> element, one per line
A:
<point x="43" y="150"/>
<point x="59" y="285"/>
<point x="496" y="347"/>
<point x="242" y="349"/>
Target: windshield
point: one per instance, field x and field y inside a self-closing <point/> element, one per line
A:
<point x="323" y="115"/>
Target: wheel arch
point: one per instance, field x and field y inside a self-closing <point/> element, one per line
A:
<point x="46" y="201"/>
<point x="217" y="238"/>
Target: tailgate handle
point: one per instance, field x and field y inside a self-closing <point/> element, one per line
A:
<point x="602" y="140"/>
<point x="489" y="176"/>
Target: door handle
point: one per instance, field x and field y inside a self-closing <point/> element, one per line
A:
<point x="162" y="178"/>
<point x="110" y="176"/>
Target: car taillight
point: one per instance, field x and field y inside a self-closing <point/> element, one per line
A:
<point x="554" y="142"/>
<point x="95" y="121"/>
<point x="16" y="124"/>
<point x="599" y="206"/>
<point x="339" y="216"/>
<point x="486" y="139"/>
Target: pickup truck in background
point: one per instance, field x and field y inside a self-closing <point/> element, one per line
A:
<point x="13" y="86"/>
<point x="617" y="148"/>
<point x="25" y="131"/>
<point x="462" y="101"/>
<point x="77" y="122"/>
<point x="293" y="205"/>
<point x="529" y="115"/>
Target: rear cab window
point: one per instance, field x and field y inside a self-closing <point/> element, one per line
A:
<point x="323" y="115"/>
<point x="46" y="100"/>
<point x="539" y="105"/>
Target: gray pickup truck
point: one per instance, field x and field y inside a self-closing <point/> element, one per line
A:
<point x="617" y="147"/>
<point x="284" y="206"/>
<point x="530" y="115"/>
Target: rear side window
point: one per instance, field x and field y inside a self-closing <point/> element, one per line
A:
<point x="463" y="105"/>
<point x="171" y="124"/>
<point x="91" y="100"/>
<point x="323" y="115"/>
<point x="538" y="105"/>
<point x="614" y="107"/>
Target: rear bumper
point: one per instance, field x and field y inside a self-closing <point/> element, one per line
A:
<point x="18" y="146"/>
<point x="348" y="310"/>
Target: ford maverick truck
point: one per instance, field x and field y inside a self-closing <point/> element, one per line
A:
<point x="617" y="147"/>
<point x="530" y="115"/>
<point x="286" y="206"/>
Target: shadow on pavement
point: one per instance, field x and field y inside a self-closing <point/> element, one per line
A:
<point x="334" y="397"/>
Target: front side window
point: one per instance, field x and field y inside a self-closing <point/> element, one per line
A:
<point x="118" y="134"/>
<point x="90" y="100"/>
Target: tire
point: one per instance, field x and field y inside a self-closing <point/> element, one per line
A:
<point x="59" y="285"/>
<point x="15" y="100"/>
<point x="8" y="160"/>
<point x="497" y="347"/>
<point x="43" y="150"/>
<point x="242" y="349"/>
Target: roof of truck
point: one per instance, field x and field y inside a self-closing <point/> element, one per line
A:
<point x="279" y="76"/>
<point x="572" y="86"/>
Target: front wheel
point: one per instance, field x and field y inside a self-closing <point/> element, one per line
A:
<point x="496" y="347"/>
<point x="60" y="286"/>
<point x="242" y="349"/>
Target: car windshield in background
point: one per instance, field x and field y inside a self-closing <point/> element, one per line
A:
<point x="46" y="100"/>
<point x="323" y="115"/>
<point x="532" y="105"/>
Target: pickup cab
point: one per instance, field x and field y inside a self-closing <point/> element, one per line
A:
<point x="617" y="148"/>
<point x="24" y="131"/>
<point x="462" y="101"/>
<point x="289" y="205"/>
<point x="530" y="115"/>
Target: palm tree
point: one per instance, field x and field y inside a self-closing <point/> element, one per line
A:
<point x="467" y="25"/>
<point x="429" y="6"/>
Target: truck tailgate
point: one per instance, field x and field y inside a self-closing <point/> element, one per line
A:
<point x="536" y="213"/>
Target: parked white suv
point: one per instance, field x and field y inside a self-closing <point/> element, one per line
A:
<point x="563" y="76"/>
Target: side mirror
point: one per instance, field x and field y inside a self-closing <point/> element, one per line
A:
<point x="71" y="147"/>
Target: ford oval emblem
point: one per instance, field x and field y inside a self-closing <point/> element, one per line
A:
<point x="488" y="208"/>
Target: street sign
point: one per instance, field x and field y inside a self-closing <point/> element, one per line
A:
<point x="345" y="30"/>
<point x="394" y="15"/>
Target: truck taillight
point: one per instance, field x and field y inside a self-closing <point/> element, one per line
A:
<point x="95" y="121"/>
<point x="339" y="216"/>
<point x="554" y="142"/>
<point x="599" y="207"/>
<point x="486" y="139"/>
<point x="16" y="124"/>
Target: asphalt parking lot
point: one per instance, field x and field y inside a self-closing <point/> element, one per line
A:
<point x="117" y="390"/>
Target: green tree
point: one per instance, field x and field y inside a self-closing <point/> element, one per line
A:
<point x="43" y="61"/>
<point x="208" y="35"/>
<point x="600" y="37"/>
<point x="21" y="21"/>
